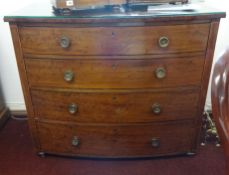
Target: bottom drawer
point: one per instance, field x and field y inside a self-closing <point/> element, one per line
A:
<point x="117" y="140"/>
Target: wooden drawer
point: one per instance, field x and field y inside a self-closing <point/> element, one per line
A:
<point x="114" y="40"/>
<point x="115" y="107"/>
<point x="116" y="140"/>
<point x="115" y="73"/>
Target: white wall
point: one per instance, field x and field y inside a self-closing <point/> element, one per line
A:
<point x="9" y="77"/>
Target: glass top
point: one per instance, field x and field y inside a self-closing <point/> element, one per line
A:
<point x="45" y="10"/>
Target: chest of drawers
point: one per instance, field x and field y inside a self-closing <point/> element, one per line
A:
<point x="115" y="87"/>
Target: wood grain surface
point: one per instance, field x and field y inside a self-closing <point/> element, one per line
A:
<point x="116" y="141"/>
<point x="115" y="73"/>
<point x="116" y="107"/>
<point x="114" y="40"/>
<point x="107" y="109"/>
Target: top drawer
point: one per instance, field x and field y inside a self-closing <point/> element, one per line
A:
<point x="114" y="40"/>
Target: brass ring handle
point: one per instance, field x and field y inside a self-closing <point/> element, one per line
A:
<point x="155" y="142"/>
<point x="75" y="141"/>
<point x="163" y="42"/>
<point x="72" y="108"/>
<point x="65" y="42"/>
<point x="160" y="72"/>
<point x="156" y="108"/>
<point x="68" y="75"/>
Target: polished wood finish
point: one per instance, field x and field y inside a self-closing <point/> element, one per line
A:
<point x="207" y="70"/>
<point x="116" y="107"/>
<point x="220" y="104"/>
<point x="115" y="73"/>
<point x="25" y="85"/>
<point x="114" y="40"/>
<point x="116" y="141"/>
<point x="115" y="87"/>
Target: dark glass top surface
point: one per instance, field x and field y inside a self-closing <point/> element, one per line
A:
<point x="45" y="10"/>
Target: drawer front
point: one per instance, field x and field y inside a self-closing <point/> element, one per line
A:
<point x="116" y="107"/>
<point x="114" y="40"/>
<point x="116" y="141"/>
<point x="153" y="73"/>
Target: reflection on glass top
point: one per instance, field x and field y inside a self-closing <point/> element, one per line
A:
<point x="45" y="10"/>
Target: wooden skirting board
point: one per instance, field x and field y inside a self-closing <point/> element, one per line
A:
<point x="18" y="112"/>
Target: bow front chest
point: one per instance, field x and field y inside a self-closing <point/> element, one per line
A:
<point x="115" y="85"/>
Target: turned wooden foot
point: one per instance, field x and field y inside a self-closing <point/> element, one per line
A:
<point x="190" y="153"/>
<point x="41" y="154"/>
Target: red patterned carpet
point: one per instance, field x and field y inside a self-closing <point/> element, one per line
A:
<point x="17" y="158"/>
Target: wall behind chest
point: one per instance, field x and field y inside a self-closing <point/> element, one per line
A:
<point x="9" y="78"/>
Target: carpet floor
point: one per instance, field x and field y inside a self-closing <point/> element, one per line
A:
<point x="17" y="157"/>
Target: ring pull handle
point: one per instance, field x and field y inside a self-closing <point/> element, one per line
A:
<point x="155" y="142"/>
<point x="65" y="42"/>
<point x="163" y="42"/>
<point x="72" y="108"/>
<point x="68" y="76"/>
<point x="75" y="141"/>
<point x="156" y="108"/>
<point x="160" y="72"/>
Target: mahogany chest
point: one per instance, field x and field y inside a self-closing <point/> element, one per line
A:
<point x="115" y="85"/>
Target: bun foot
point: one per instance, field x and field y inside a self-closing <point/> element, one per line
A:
<point x="41" y="154"/>
<point x="190" y="153"/>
